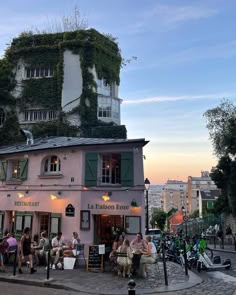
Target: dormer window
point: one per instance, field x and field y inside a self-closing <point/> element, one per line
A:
<point x="52" y="164"/>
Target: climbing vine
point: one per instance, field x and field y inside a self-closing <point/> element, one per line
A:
<point x="95" y="50"/>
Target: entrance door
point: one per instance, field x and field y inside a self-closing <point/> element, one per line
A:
<point x="44" y="222"/>
<point x="105" y="229"/>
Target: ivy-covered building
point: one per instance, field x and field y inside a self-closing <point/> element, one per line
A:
<point x="62" y="84"/>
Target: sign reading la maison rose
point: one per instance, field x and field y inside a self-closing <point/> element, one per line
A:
<point x="108" y="207"/>
<point x="33" y="204"/>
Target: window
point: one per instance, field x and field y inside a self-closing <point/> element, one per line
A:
<point x="39" y="72"/>
<point x="40" y="115"/>
<point x="16" y="169"/>
<point x="111" y="167"/>
<point x="52" y="165"/>
<point x="2" y="116"/>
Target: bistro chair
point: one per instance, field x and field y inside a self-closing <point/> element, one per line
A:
<point x="80" y="254"/>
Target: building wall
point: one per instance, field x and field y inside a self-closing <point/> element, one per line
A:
<point x="73" y="81"/>
<point x="37" y="190"/>
<point x="195" y="184"/>
<point x="174" y="195"/>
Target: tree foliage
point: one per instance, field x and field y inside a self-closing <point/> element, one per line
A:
<point x="221" y="122"/>
<point x="158" y="218"/>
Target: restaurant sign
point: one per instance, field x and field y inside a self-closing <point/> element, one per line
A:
<point x="108" y="207"/>
<point x="30" y="204"/>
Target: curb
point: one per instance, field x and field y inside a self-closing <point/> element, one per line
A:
<point x="51" y="283"/>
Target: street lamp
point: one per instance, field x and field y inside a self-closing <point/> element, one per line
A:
<point x="147" y="186"/>
<point x="185" y="219"/>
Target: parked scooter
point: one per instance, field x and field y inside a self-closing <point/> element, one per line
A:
<point x="204" y="262"/>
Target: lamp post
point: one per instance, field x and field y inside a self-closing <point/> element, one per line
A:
<point x="185" y="219"/>
<point x="147" y="186"/>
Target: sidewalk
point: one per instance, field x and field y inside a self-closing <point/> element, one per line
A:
<point x="106" y="283"/>
<point x="227" y="248"/>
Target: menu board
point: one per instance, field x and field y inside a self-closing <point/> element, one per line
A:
<point x="95" y="260"/>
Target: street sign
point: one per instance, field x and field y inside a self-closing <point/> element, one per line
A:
<point x="185" y="218"/>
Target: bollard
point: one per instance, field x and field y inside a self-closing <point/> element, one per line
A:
<point x="234" y="243"/>
<point x="131" y="287"/>
<point x="185" y="259"/>
<point x="214" y="242"/>
<point x="48" y="265"/>
<point x="164" y="263"/>
<point x="15" y="261"/>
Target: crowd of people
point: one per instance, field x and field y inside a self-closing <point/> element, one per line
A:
<point x="132" y="257"/>
<point x="34" y="252"/>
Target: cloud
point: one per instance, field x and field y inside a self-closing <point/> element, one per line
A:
<point x="164" y="17"/>
<point x="177" y="98"/>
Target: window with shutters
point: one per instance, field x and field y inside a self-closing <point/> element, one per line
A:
<point x="109" y="169"/>
<point x="14" y="170"/>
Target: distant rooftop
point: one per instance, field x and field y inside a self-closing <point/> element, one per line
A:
<point x="210" y="194"/>
<point x="61" y="142"/>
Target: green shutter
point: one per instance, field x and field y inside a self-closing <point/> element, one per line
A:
<point x="23" y="169"/>
<point x="3" y="170"/>
<point x="210" y="205"/>
<point x="91" y="167"/>
<point x="127" y="169"/>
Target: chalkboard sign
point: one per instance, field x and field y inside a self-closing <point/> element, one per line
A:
<point x="95" y="260"/>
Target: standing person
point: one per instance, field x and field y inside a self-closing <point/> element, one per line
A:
<point x="25" y="250"/>
<point x="3" y="249"/>
<point x="149" y="256"/>
<point x="57" y="248"/>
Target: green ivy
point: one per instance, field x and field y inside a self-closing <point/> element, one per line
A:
<point x="38" y="50"/>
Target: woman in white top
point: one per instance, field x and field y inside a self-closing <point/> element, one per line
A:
<point x="73" y="251"/>
<point x="149" y="256"/>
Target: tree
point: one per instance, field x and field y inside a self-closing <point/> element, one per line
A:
<point x="221" y="122"/>
<point x="158" y="218"/>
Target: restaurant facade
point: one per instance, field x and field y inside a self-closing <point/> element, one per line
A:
<point x="92" y="186"/>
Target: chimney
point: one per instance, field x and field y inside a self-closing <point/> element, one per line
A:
<point x="28" y="135"/>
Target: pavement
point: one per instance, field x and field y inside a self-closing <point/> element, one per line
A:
<point x="226" y="248"/>
<point x="106" y="283"/>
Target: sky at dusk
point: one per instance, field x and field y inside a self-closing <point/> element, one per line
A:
<point x="186" y="64"/>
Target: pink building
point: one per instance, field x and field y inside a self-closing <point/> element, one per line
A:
<point x="89" y="185"/>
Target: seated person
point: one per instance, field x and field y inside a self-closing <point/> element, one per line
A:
<point x="138" y="245"/>
<point x="57" y="248"/>
<point x="149" y="256"/>
<point x="119" y="239"/>
<point x="73" y="251"/>
<point x="124" y="262"/>
<point x="42" y="247"/>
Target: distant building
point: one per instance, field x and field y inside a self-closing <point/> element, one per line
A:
<point x="195" y="185"/>
<point x="174" y="195"/>
<point x="207" y="199"/>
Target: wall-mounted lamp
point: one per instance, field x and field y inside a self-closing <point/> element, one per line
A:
<point x="56" y="195"/>
<point x="105" y="197"/>
<point x="21" y="195"/>
<point x="53" y="197"/>
<point x="134" y="203"/>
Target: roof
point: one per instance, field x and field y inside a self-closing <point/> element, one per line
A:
<point x="210" y="194"/>
<point x="62" y="142"/>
